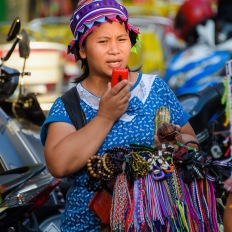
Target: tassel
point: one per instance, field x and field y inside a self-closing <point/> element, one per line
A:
<point x="139" y="209"/>
<point x="129" y="222"/>
<point x="121" y="200"/>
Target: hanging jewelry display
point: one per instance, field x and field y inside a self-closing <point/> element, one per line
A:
<point x="157" y="189"/>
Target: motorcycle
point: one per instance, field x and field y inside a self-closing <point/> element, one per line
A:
<point x="209" y="120"/>
<point x="20" y="118"/>
<point x="24" y="190"/>
<point x="200" y="64"/>
<point x="26" y="106"/>
<point x="22" y="196"/>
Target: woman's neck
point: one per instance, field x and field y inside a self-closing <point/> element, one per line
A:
<point x="95" y="85"/>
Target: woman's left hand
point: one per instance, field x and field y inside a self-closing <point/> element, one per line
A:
<point x="187" y="135"/>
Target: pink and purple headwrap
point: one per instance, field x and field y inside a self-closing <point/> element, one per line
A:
<point x="90" y="14"/>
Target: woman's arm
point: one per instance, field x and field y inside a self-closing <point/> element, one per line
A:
<point x="188" y="134"/>
<point x="67" y="150"/>
<point x="227" y="217"/>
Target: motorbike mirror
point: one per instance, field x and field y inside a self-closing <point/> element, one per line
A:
<point x="14" y="29"/>
<point x="24" y="47"/>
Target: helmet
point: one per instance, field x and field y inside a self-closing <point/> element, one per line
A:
<point x="190" y="14"/>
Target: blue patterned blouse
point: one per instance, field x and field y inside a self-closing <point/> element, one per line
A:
<point x="136" y="126"/>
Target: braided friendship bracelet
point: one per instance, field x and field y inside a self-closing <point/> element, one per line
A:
<point x="141" y="201"/>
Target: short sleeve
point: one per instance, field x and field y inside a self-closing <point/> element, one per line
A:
<point x="57" y="113"/>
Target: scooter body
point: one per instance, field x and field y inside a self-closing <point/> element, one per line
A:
<point x="208" y="119"/>
<point x="195" y="67"/>
<point x="198" y="65"/>
<point x="19" y="130"/>
<point x="21" y="147"/>
<point x="15" y="145"/>
<point x="23" y="190"/>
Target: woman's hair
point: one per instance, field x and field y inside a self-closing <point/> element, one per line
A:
<point x="84" y="63"/>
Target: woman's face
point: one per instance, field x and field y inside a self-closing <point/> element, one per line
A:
<point x="108" y="46"/>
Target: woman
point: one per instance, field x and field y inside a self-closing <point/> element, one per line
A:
<point x="116" y="116"/>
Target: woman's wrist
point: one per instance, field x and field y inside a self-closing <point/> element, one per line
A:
<point x="190" y="141"/>
<point x="106" y="120"/>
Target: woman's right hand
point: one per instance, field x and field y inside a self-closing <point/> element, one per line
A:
<point x="72" y="146"/>
<point x="115" y="101"/>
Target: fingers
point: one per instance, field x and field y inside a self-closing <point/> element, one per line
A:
<point x="122" y="88"/>
<point x="178" y="128"/>
<point x="107" y="90"/>
<point x="157" y="142"/>
<point x="122" y="93"/>
<point x="171" y="138"/>
<point x="115" y="101"/>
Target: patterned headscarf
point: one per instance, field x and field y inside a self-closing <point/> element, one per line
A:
<point x="90" y="14"/>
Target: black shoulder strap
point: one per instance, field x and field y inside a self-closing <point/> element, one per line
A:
<point x="71" y="100"/>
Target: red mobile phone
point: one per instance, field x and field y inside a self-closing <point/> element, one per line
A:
<point x="119" y="74"/>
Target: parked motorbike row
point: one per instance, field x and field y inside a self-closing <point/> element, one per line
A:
<point x="202" y="61"/>
<point x="197" y="75"/>
<point x="200" y="64"/>
<point x="31" y="199"/>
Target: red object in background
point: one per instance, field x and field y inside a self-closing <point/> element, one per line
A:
<point x="190" y="14"/>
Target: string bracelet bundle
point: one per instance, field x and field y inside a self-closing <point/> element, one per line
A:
<point x="158" y="189"/>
